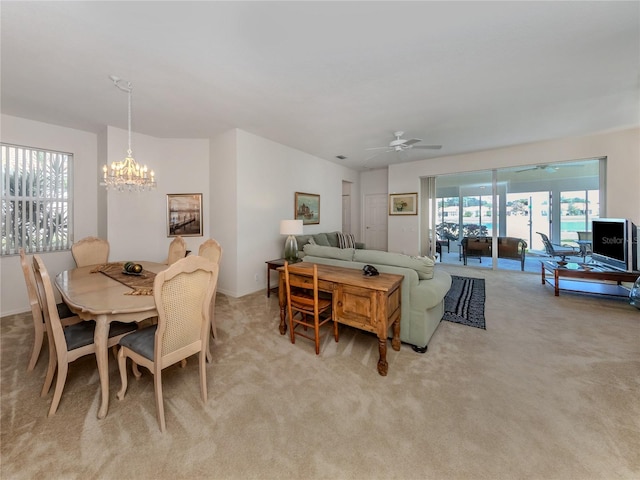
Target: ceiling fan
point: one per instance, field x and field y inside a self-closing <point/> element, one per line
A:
<point x="546" y="168"/>
<point x="401" y="144"/>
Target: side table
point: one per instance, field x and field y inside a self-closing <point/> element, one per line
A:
<point x="272" y="265"/>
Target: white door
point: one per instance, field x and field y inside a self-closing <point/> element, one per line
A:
<point x="375" y="221"/>
<point x="346" y="214"/>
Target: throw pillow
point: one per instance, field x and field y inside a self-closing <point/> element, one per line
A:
<point x="346" y="240"/>
<point x="321" y="239"/>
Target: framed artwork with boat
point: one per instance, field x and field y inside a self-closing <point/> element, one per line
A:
<point x="307" y="208"/>
<point x="184" y="214"/>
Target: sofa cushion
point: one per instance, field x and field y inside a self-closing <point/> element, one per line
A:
<point x="346" y="240"/>
<point x="321" y="239"/>
<point x="422" y="265"/>
<point x="332" y="238"/>
<point x="329" y="252"/>
<point x="303" y="240"/>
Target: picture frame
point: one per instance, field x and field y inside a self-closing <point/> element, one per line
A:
<point x="184" y="215"/>
<point x="403" y="204"/>
<point x="307" y="208"/>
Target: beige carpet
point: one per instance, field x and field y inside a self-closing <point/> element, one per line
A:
<point x="551" y="390"/>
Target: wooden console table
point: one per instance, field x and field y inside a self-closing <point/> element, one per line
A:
<point x="368" y="303"/>
<point x="593" y="280"/>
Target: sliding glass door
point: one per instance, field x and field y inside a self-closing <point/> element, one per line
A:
<point x="558" y="200"/>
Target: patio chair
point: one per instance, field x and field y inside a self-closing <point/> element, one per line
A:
<point x="555" y="250"/>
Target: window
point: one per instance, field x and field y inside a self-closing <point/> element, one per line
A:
<point x="37" y="200"/>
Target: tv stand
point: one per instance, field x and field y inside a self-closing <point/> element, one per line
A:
<point x="592" y="278"/>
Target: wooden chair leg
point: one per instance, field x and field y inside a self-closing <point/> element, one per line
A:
<point x="122" y="366"/>
<point x="51" y="370"/>
<point x="157" y="384"/>
<point x="60" y="381"/>
<point x="203" y="377"/>
<point x="37" y="346"/>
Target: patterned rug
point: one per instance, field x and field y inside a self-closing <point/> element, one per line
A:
<point x="465" y="302"/>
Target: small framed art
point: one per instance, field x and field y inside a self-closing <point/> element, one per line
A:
<point x="307" y="208"/>
<point x="184" y="214"/>
<point x="403" y="204"/>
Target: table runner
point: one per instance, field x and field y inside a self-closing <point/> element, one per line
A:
<point x="141" y="284"/>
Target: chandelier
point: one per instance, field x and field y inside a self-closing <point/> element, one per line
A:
<point x="127" y="174"/>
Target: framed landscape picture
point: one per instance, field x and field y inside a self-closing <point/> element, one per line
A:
<point x="184" y="214"/>
<point x="403" y="204"/>
<point x="307" y="208"/>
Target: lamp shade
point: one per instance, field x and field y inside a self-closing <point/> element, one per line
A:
<point x="290" y="227"/>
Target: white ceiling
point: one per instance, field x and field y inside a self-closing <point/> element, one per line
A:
<point x="329" y="78"/>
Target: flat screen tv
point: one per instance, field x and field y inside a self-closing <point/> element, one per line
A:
<point x="615" y="243"/>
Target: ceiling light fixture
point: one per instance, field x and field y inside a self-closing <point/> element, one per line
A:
<point x="127" y="174"/>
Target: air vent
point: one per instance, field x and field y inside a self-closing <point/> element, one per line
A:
<point x="341" y="157"/>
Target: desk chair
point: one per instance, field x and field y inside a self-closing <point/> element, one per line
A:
<point x="303" y="300"/>
<point x="183" y="295"/>
<point x="90" y="251"/>
<point x="555" y="250"/>
<point x="70" y="343"/>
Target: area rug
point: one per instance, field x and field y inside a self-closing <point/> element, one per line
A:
<point x="465" y="302"/>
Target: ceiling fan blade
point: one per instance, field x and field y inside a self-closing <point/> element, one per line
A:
<point x="428" y="147"/>
<point x="527" y="169"/>
<point x="411" y="141"/>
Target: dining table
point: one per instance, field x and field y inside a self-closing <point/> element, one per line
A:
<point x="102" y="293"/>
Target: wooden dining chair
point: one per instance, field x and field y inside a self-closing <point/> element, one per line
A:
<point x="212" y="251"/>
<point x="90" y="251"/>
<point x="177" y="250"/>
<point x="182" y="294"/>
<point x="66" y="316"/>
<point x="303" y="301"/>
<point x="70" y="343"/>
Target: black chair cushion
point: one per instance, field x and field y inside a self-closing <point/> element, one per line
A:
<point x="63" y="310"/>
<point x="142" y="342"/>
<point x="81" y="334"/>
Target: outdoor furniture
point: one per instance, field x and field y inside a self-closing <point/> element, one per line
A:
<point x="508" y="247"/>
<point x="585" y="240"/>
<point x="555" y="250"/>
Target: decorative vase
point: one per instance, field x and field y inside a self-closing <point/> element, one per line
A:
<point x="634" y="296"/>
<point x="291" y="249"/>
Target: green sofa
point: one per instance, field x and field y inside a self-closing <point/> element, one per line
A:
<point x="423" y="288"/>
<point x="323" y="239"/>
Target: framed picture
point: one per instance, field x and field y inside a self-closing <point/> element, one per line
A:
<point x="184" y="214"/>
<point x="307" y="208"/>
<point x="403" y="204"/>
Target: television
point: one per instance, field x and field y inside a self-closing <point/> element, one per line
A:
<point x="615" y="243"/>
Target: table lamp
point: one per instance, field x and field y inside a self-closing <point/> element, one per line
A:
<point x="291" y="228"/>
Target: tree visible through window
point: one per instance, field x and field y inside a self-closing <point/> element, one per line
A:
<point x="36" y="199"/>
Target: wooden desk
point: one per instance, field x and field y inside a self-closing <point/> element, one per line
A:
<point x="94" y="296"/>
<point x="368" y="303"/>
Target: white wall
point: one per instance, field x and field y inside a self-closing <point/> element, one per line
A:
<point x="269" y="174"/>
<point x="137" y="222"/>
<point x="622" y="149"/>
<point x="222" y="208"/>
<point x="83" y="145"/>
